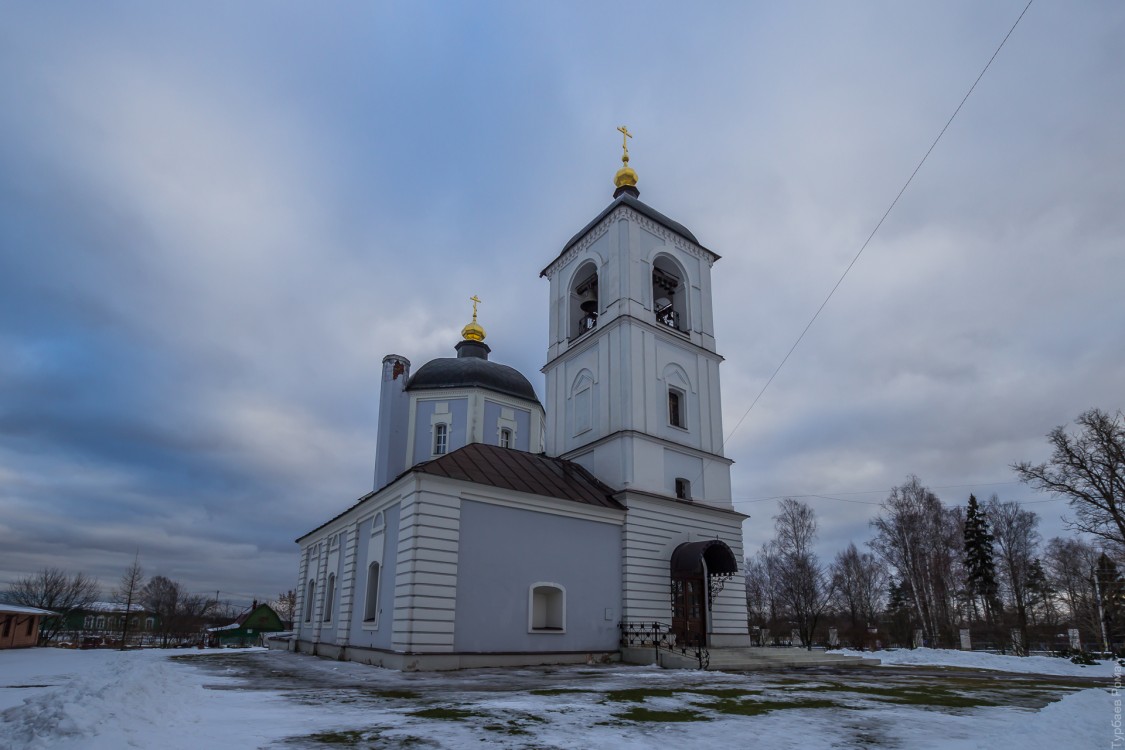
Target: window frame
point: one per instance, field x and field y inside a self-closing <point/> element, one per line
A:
<point x="677" y="417"/>
<point x="440" y="439"/>
<point x="682" y="489"/>
<point x="371" y="595"/>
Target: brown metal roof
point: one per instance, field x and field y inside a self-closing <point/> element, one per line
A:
<point x="533" y="473"/>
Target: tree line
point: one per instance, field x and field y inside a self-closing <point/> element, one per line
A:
<point x="178" y="617"/>
<point x="936" y="569"/>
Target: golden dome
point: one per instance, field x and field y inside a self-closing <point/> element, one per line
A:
<point x="474" y="331"/>
<point x="625" y="177"/>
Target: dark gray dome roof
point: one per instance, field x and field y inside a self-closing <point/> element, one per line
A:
<point x="472" y="372"/>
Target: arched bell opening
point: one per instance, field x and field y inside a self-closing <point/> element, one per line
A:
<point x="699" y="571"/>
<point x="583" y="301"/>
<point x="669" y="294"/>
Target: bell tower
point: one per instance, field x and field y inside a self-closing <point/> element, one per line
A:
<point x="632" y="371"/>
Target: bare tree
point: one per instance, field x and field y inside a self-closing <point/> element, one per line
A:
<point x="761" y="595"/>
<point x="53" y="589"/>
<point x="801" y="584"/>
<point x="1017" y="541"/>
<point x="922" y="541"/>
<point x="1089" y="469"/>
<point x="286" y="606"/>
<point x="1070" y="564"/>
<point x="860" y="582"/>
<point x="128" y="594"/>
<point x="161" y="596"/>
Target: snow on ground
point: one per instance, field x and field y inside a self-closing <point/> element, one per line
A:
<point x="141" y="699"/>
<point x="52" y="698"/>
<point x="944" y="657"/>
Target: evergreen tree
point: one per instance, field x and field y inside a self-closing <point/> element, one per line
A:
<point x="979" y="565"/>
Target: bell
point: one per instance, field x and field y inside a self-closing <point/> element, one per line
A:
<point x="588" y="301"/>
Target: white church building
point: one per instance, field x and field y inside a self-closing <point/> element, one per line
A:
<point x="503" y="531"/>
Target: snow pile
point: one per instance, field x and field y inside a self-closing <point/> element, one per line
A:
<point x="944" y="657"/>
<point x="104" y="698"/>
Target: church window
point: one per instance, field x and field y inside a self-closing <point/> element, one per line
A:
<point x="329" y="595"/>
<point x="505" y="438"/>
<point x="676" y="407"/>
<point x="371" y="602"/>
<point x="441" y="439"/>
<point x="547" y="608"/>
<point x="583" y="303"/>
<point x="310" y="594"/>
<point x="683" y="489"/>
<point x="669" y="294"/>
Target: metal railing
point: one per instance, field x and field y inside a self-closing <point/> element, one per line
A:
<point x="659" y="635"/>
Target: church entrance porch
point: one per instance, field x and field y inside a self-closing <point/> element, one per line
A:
<point x="699" y="572"/>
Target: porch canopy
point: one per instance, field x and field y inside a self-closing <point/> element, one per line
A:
<point x="688" y="559"/>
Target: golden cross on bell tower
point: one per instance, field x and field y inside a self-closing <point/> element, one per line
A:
<point x="625" y="136"/>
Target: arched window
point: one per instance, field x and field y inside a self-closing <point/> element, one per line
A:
<point x="505" y="438"/>
<point x="547" y="608"/>
<point x="582" y="402"/>
<point x="669" y="294"/>
<point x="583" y="301"/>
<point x="441" y="438"/>
<point x="329" y="595"/>
<point x="310" y="594"/>
<point x="371" y="602"/>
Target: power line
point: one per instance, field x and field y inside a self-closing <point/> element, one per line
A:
<point x="880" y="491"/>
<point x="876" y="502"/>
<point x="879" y="224"/>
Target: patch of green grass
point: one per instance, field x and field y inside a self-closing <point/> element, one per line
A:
<point x="509" y="728"/>
<point x="348" y="737"/>
<point x="756" y="708"/>
<point x="394" y="694"/>
<point x="940" y="698"/>
<point x="724" y="692"/>
<point x="640" y="713"/>
<point x="445" y="714"/>
<point x="637" y="695"/>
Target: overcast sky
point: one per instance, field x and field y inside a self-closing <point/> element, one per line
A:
<point x="216" y="219"/>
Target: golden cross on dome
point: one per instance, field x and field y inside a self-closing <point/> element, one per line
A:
<point x="625" y="136"/>
<point x="476" y="301"/>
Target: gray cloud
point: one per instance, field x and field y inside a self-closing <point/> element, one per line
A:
<point x="214" y="223"/>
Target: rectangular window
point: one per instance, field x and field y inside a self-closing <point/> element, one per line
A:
<point x="683" y="489"/>
<point x="505" y="438"/>
<point x="582" y="417"/>
<point x="675" y="407"/>
<point x="441" y="439"/>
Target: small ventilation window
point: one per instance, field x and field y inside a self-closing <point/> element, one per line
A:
<point x="683" y="489"/>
